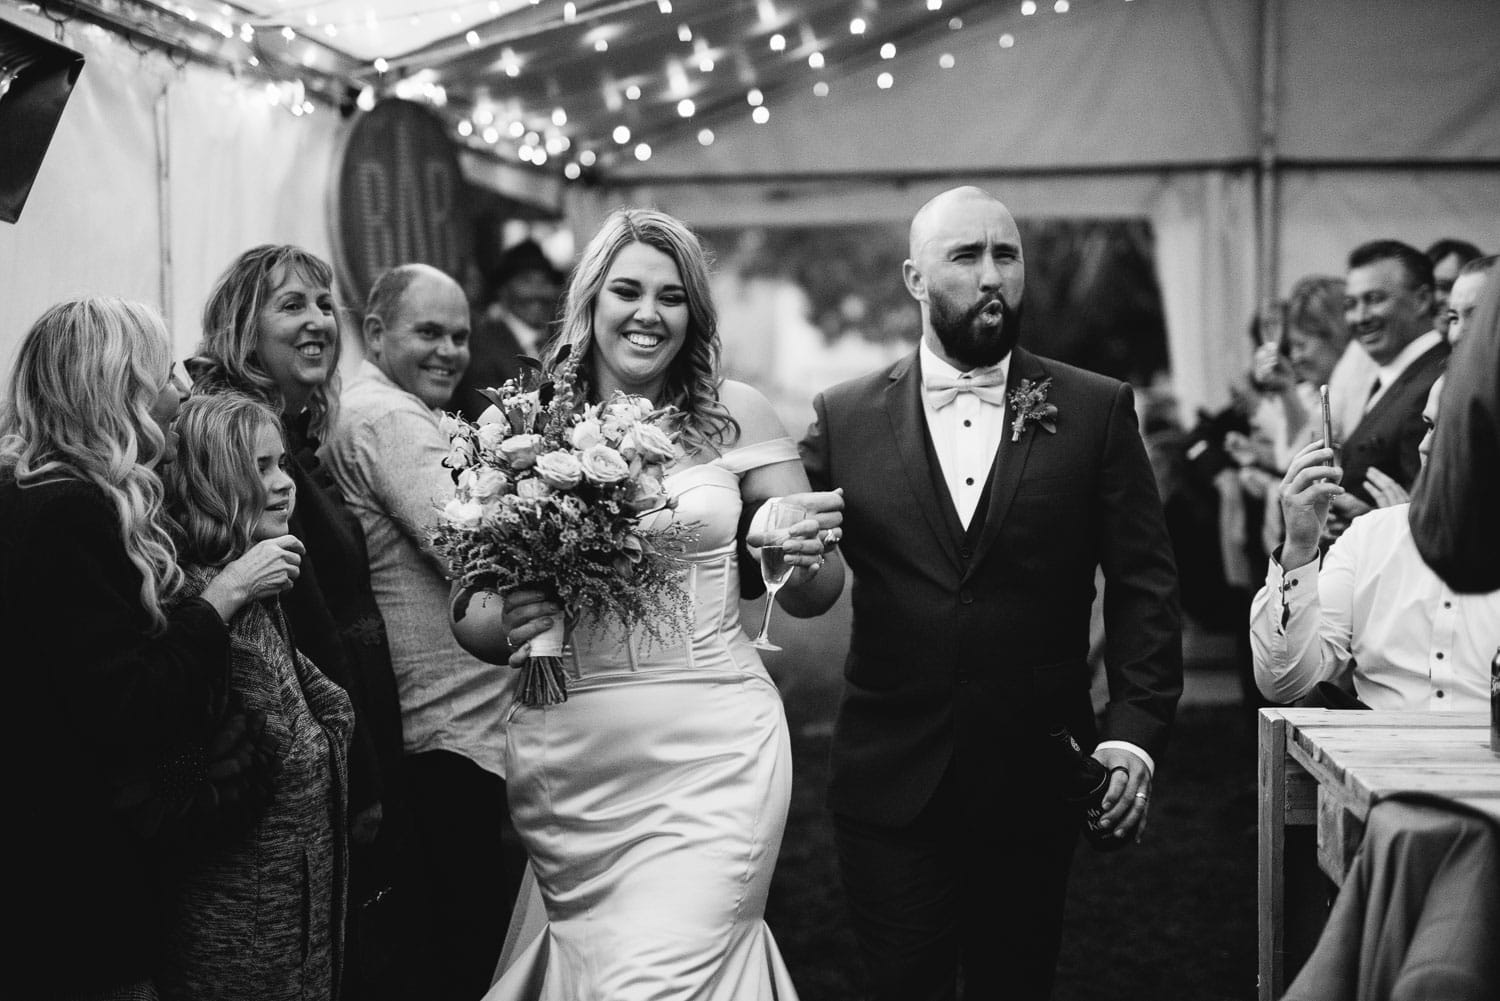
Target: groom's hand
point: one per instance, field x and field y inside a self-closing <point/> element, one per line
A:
<point x="1127" y="801"/>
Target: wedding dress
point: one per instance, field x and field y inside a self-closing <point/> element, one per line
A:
<point x="652" y="802"/>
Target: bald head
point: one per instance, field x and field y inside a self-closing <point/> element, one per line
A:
<point x="417" y="331"/>
<point x="967" y="273"/>
<point x="943" y="210"/>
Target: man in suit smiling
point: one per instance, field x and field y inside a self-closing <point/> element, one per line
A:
<point x="1388" y="304"/>
<point x="983" y="486"/>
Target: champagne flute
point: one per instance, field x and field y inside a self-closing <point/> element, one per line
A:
<point x="774" y="569"/>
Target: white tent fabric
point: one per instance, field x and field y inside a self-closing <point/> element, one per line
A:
<point x="238" y="172"/>
<point x="1385" y="124"/>
<point x="1385" y="116"/>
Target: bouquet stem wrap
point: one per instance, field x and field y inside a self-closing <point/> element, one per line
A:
<point x="542" y="680"/>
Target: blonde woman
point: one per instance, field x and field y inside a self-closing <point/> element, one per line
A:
<point x="105" y="676"/>
<point x="271" y="329"/>
<point x="260" y="915"/>
<point x="652" y="802"/>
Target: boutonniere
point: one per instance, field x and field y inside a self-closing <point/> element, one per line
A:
<point x="1028" y="401"/>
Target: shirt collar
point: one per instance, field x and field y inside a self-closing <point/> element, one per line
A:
<point x="369" y="370"/>
<point x="1390" y="372"/>
<point x="932" y="365"/>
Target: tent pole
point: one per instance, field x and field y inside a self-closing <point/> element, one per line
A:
<point x="163" y="199"/>
<point x="1268" y="237"/>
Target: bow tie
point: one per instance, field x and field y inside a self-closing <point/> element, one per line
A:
<point x="987" y="384"/>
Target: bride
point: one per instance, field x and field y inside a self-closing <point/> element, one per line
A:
<point x="652" y="802"/>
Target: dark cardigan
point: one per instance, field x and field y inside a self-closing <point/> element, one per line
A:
<point x="92" y="696"/>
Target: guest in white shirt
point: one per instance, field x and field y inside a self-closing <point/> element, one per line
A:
<point x="386" y="451"/>
<point x="1373" y="617"/>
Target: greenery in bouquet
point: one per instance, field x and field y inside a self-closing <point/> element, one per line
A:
<point x="568" y="498"/>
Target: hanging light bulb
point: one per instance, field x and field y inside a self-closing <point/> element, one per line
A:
<point x="643" y="152"/>
<point x="686" y="108"/>
<point x="517" y="129"/>
<point x="572" y="171"/>
<point x="857" y="26"/>
<point x="684" y="33"/>
<point x="632" y="93"/>
<point x="888" y="50"/>
<point x="381" y="65"/>
<point x="815" y="60"/>
<point x="559" y="117"/>
<point x="472" y="37"/>
<point x="1028" y="8"/>
<point x="946" y="60"/>
<point x="705" y="137"/>
<point x="621" y="134"/>
<point x="587" y="157"/>
<point x="761" y="115"/>
<point x="1007" y="40"/>
<point x="778" y="42"/>
<point x="601" y="45"/>
<point x="884" y="81"/>
<point x="665" y="6"/>
<point x="366" y="99"/>
<point x="465" y="127"/>
<point x="755" y="97"/>
<point x="820" y="89"/>
<point x="1061" y="6"/>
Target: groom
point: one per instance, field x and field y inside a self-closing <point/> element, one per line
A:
<point x="974" y="522"/>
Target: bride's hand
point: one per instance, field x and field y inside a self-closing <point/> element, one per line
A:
<point x="528" y="614"/>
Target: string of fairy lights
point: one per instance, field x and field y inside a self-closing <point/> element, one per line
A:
<point x="304" y="51"/>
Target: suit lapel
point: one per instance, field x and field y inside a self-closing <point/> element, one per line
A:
<point x="903" y="408"/>
<point x="1395" y="394"/>
<point x="1006" y="478"/>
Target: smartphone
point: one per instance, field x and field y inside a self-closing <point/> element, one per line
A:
<point x="1327" y="416"/>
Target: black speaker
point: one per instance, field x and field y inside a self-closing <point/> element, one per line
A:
<point x="36" y="77"/>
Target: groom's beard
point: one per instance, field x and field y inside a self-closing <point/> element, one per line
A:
<point x="967" y="337"/>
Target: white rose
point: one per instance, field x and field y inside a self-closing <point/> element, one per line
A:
<point x="649" y="495"/>
<point x="560" y="469"/>
<point x="520" y="450"/>
<point x="602" y="464"/>
<point x="533" y="488"/>
<point x="491" y="435"/>
<point x="488" y="484"/>
<point x="649" y="442"/>
<point x="586" y="434"/>
<point x="464" y="515"/>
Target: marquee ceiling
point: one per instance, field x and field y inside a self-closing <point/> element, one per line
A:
<point x="574" y="87"/>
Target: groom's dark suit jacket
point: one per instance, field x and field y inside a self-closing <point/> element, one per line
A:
<point x="966" y="646"/>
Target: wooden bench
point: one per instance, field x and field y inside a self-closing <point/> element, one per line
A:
<point x="1325" y="768"/>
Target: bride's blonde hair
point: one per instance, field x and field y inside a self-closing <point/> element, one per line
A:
<point x="79" y="405"/>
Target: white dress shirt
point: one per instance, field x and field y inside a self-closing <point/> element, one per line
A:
<point x="966" y="434"/>
<point x="1375" y="612"/>
<point x="1392" y="370"/>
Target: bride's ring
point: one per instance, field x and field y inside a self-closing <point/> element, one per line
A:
<point x="1140" y="795"/>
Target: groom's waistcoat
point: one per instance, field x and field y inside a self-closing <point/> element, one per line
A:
<point x="966" y="644"/>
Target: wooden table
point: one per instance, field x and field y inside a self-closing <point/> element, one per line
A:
<point x="1328" y="767"/>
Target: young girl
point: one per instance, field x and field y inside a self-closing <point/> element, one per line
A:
<point x="260" y="916"/>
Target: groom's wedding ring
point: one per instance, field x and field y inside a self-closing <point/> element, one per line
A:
<point x="1140" y="795"/>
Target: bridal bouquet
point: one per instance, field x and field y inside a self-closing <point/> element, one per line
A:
<point x="553" y="494"/>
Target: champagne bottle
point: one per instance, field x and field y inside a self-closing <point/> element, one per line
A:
<point x="1084" y="781"/>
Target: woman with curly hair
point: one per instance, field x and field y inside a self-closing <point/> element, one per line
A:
<point x="652" y="801"/>
<point x="259" y="915"/>
<point x="111" y="675"/>
<point x="271" y="330"/>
